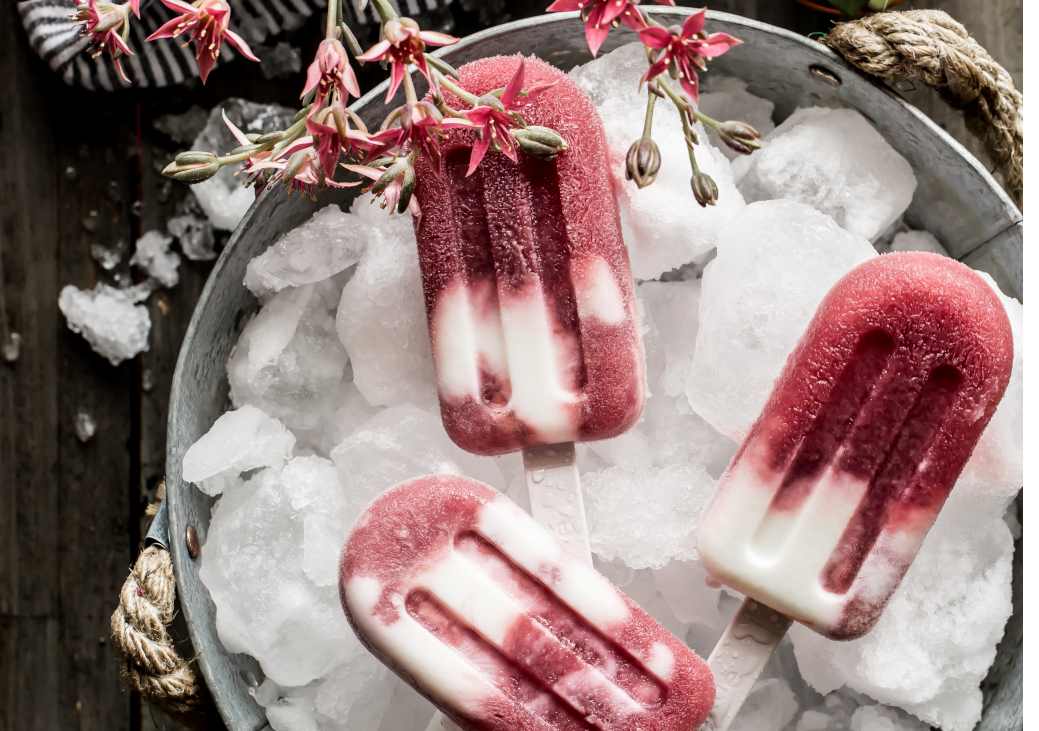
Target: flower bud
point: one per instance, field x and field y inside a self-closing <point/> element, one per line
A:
<point x="192" y="173"/>
<point x="705" y="190"/>
<point x="193" y="157"/>
<point x="407" y="189"/>
<point x="740" y="136"/>
<point x="540" y="142"/>
<point x="643" y="162"/>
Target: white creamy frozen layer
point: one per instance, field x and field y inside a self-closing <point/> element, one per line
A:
<point x="779" y="556"/>
<point x="514" y="337"/>
<point x="482" y="599"/>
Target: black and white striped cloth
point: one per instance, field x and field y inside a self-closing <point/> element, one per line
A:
<point x="56" y="37"/>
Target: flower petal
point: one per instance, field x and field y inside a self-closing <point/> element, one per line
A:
<point x="396" y="78"/>
<point x="564" y="6"/>
<point x="239" y="44"/>
<point x="694" y="24"/>
<point x="238" y="134"/>
<point x="433" y="38"/>
<point x="181" y="7"/>
<point x="479" y="150"/>
<point x="595" y="37"/>
<point x="166" y="30"/>
<point x="655" y="37"/>
<point x="376" y="52"/>
<point x="512" y="91"/>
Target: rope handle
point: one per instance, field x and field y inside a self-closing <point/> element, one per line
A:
<point x="925" y="45"/>
<point x="929" y="46"/>
<point x="151" y="664"/>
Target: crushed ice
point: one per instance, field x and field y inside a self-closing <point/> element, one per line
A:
<point x="333" y="390"/>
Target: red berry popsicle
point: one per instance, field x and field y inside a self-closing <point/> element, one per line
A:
<point x="526" y="277"/>
<point x="473" y="603"/>
<point x="830" y="496"/>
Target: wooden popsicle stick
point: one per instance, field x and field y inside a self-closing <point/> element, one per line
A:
<point x="555" y="495"/>
<point x="739" y="658"/>
<point x="557" y="503"/>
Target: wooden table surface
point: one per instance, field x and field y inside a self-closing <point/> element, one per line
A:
<point x="78" y="169"/>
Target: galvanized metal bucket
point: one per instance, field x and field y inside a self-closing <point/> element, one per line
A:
<point x="957" y="200"/>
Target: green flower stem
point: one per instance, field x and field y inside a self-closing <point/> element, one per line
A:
<point x="409" y="86"/>
<point x="384" y="9"/>
<point x="331" y="19"/>
<point x="689" y="135"/>
<point x="647" y="126"/>
<point x="455" y="89"/>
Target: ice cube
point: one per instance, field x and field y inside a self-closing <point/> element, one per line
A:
<point x="115" y="326"/>
<point x="152" y="254"/>
<point x="668" y="433"/>
<point x="239" y="441"/>
<point x="355" y="695"/>
<point x="684" y="586"/>
<point x="879" y="718"/>
<point x="193" y="232"/>
<point x="293" y="714"/>
<point x="835" y="161"/>
<point x="937" y="637"/>
<point x="995" y="468"/>
<point x="382" y="317"/>
<point x="327" y="244"/>
<point x="288" y="360"/>
<point x="816" y="721"/>
<point x="771" y="706"/>
<point x="727" y="98"/>
<point x="663" y="225"/>
<point x="223" y="198"/>
<point x="408" y="711"/>
<point x="316" y="498"/>
<point x="917" y="241"/>
<point x="252" y="565"/>
<point x="646" y="517"/>
<point x="758" y="296"/>
<point x="397" y="444"/>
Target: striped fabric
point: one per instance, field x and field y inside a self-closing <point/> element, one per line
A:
<point x="55" y="36"/>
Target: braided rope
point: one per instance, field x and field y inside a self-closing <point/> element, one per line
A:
<point x="928" y="45"/>
<point x="151" y="663"/>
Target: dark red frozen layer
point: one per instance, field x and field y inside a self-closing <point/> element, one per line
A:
<point x="892" y="384"/>
<point x="510" y="229"/>
<point x="414" y="525"/>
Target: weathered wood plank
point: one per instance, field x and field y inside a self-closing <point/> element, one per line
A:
<point x="65" y="523"/>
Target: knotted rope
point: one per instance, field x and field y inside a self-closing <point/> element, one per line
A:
<point x="151" y="664"/>
<point x="929" y="46"/>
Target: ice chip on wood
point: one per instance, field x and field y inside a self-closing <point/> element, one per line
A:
<point x="108" y="318"/>
<point x="152" y="254"/>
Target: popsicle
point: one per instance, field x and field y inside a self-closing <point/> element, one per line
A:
<point x="877" y="410"/>
<point x="529" y="293"/>
<point x="478" y="607"/>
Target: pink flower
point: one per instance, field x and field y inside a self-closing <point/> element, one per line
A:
<point x="332" y="137"/>
<point x="686" y="50"/>
<point x="108" y="26"/>
<point x="331" y="71"/>
<point x="420" y="128"/>
<point x="600" y="16"/>
<point x="394" y="184"/>
<point x="405" y="43"/>
<point x="207" y="22"/>
<point x="495" y="118"/>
